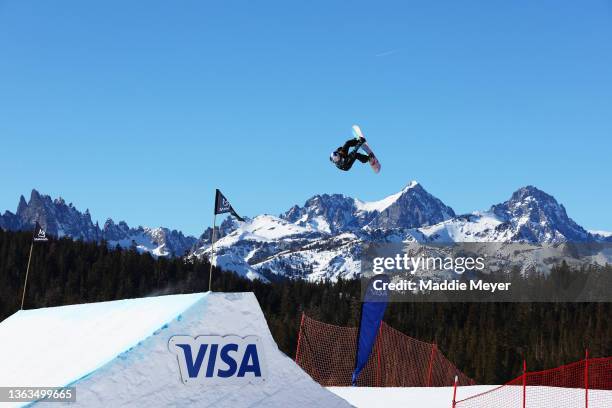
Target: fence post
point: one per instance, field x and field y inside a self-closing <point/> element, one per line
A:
<point x="431" y="358"/>
<point x="586" y="378"/>
<point x="524" y="383"/>
<point x="297" y="351"/>
<point x="455" y="392"/>
<point x="379" y="340"/>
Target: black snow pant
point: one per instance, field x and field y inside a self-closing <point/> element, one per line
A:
<point x="349" y="158"/>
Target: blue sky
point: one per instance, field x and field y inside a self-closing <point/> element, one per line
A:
<point x="138" y="110"/>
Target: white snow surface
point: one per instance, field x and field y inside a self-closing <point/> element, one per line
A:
<point x="116" y="353"/>
<point x="381" y="205"/>
<point x="268" y="228"/>
<point x="230" y="261"/>
<point x="143" y="243"/>
<point x="336" y="260"/>
<point x="602" y="233"/>
<point x="319" y="223"/>
<point x="402" y="397"/>
<point x="263" y="228"/>
<point x="46" y="347"/>
<point x="441" y="397"/>
<point x="480" y="227"/>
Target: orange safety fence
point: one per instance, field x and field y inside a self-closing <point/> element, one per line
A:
<point x="327" y="353"/>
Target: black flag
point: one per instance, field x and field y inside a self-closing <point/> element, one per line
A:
<point x="39" y="234"/>
<point x="223" y="206"/>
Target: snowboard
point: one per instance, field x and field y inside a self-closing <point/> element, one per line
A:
<point x="374" y="163"/>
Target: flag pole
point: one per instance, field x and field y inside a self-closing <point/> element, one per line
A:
<point x="212" y="252"/>
<point x="25" y="285"/>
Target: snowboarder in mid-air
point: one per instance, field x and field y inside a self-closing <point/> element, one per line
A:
<point x="344" y="158"/>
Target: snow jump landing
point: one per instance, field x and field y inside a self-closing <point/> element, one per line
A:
<point x="120" y="353"/>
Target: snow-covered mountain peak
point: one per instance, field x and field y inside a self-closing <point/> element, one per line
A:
<point x="532" y="215"/>
<point x="324" y="212"/>
<point x="55" y="216"/>
<point x="410" y="185"/>
<point x="411" y="207"/>
<point x="115" y="232"/>
<point x="528" y="198"/>
<point x="64" y="220"/>
<point x="381" y="205"/>
<point x="323" y="238"/>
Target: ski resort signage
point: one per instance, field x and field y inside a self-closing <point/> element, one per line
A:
<point x="219" y="360"/>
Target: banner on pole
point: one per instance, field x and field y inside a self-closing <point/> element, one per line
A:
<point x="372" y="312"/>
<point x="222" y="206"/>
<point x="39" y="234"/>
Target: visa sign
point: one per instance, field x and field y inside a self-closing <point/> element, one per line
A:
<point x="227" y="360"/>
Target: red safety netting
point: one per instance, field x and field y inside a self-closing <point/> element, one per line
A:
<point x="585" y="383"/>
<point x="327" y="353"/>
<point x="599" y="379"/>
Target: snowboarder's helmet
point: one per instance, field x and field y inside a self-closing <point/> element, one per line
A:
<point x="334" y="157"/>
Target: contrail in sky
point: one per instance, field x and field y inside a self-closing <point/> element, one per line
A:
<point x="388" y="52"/>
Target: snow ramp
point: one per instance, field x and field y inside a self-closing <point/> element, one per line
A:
<point x="119" y="353"/>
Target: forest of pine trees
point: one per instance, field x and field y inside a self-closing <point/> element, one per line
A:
<point x="485" y="340"/>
